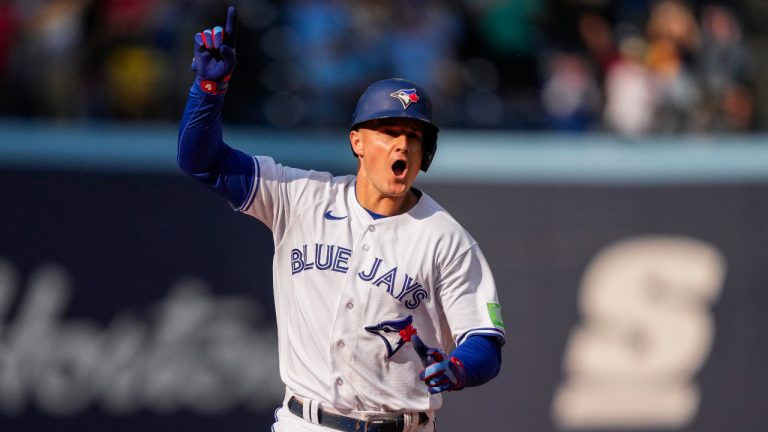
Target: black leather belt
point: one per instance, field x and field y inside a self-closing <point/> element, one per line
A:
<point x="343" y="423"/>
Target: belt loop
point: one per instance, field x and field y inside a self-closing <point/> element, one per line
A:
<point x="306" y="412"/>
<point x="408" y="422"/>
<point x="310" y="410"/>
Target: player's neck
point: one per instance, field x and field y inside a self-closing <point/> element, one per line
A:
<point x="376" y="202"/>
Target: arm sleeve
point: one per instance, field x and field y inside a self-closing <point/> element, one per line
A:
<point x="204" y="156"/>
<point x="481" y="357"/>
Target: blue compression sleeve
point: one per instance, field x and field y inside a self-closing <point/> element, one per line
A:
<point x="481" y="357"/>
<point x="203" y="154"/>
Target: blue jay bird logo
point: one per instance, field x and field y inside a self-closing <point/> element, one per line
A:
<point x="406" y="97"/>
<point x="403" y="327"/>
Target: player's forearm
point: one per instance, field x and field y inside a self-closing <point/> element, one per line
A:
<point x="481" y="357"/>
<point x="200" y="137"/>
<point x="203" y="154"/>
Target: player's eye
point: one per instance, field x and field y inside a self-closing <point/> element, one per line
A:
<point x="392" y="132"/>
<point x="415" y="136"/>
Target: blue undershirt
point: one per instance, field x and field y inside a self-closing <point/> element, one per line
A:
<point x="374" y="214"/>
<point x="204" y="156"/>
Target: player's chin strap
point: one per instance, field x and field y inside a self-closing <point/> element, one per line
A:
<point x="311" y="411"/>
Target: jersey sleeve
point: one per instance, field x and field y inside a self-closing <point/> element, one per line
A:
<point x="281" y="193"/>
<point x="469" y="298"/>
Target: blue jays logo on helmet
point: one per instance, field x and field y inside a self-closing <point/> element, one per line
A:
<point x="406" y="96"/>
<point x="402" y="327"/>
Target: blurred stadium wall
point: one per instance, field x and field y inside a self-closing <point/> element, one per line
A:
<point x="631" y="273"/>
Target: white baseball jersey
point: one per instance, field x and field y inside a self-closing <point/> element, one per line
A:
<point x="344" y="283"/>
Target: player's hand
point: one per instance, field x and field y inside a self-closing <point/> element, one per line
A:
<point x="441" y="373"/>
<point x="215" y="57"/>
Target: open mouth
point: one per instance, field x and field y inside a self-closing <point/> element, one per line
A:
<point x="398" y="167"/>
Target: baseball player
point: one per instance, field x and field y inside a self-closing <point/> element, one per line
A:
<point x="374" y="282"/>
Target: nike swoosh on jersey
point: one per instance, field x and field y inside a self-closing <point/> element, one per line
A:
<point x="329" y="216"/>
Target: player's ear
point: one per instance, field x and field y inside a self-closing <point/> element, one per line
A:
<point x="356" y="142"/>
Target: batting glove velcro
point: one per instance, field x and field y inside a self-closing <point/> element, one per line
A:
<point x="215" y="57"/>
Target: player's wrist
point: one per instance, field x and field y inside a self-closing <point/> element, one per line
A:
<point x="212" y="87"/>
<point x="459" y="372"/>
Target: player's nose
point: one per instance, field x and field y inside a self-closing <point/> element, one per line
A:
<point x="401" y="142"/>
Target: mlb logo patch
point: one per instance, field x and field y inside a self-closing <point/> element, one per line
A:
<point x="406" y="97"/>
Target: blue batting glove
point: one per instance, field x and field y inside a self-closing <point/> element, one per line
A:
<point x="441" y="373"/>
<point x="215" y="58"/>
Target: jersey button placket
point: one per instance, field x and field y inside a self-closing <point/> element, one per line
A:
<point x="345" y="333"/>
<point x="347" y="325"/>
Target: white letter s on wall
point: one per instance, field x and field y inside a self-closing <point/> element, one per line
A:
<point x="646" y="330"/>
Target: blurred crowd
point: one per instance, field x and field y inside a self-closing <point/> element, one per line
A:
<point x="631" y="67"/>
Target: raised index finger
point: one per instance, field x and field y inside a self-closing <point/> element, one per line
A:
<point x="230" y="30"/>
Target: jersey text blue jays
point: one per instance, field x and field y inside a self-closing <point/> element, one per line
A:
<point x="398" y="284"/>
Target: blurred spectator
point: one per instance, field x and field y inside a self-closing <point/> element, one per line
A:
<point x="630" y="92"/>
<point x="597" y="35"/>
<point x="129" y="71"/>
<point x="570" y="94"/>
<point x="505" y="90"/>
<point x="133" y="75"/>
<point x="738" y="108"/>
<point x="50" y="56"/>
<point x="726" y="71"/>
<point x="508" y="64"/>
<point x="324" y="62"/>
<point x="9" y="23"/>
<point x="673" y="21"/>
<point x="339" y="46"/>
<point x="411" y="38"/>
<point x="673" y="36"/>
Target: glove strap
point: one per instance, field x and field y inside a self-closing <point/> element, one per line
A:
<point x="214" y="87"/>
<point x="459" y="372"/>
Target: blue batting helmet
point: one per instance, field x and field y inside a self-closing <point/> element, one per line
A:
<point x="398" y="98"/>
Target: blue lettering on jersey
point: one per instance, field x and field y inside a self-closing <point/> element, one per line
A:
<point x="336" y="258"/>
<point x="408" y="286"/>
<point x="325" y="257"/>
<point x="341" y="260"/>
<point x="369" y="276"/>
<point x="297" y="261"/>
<point x="411" y="291"/>
<point x="387" y="279"/>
